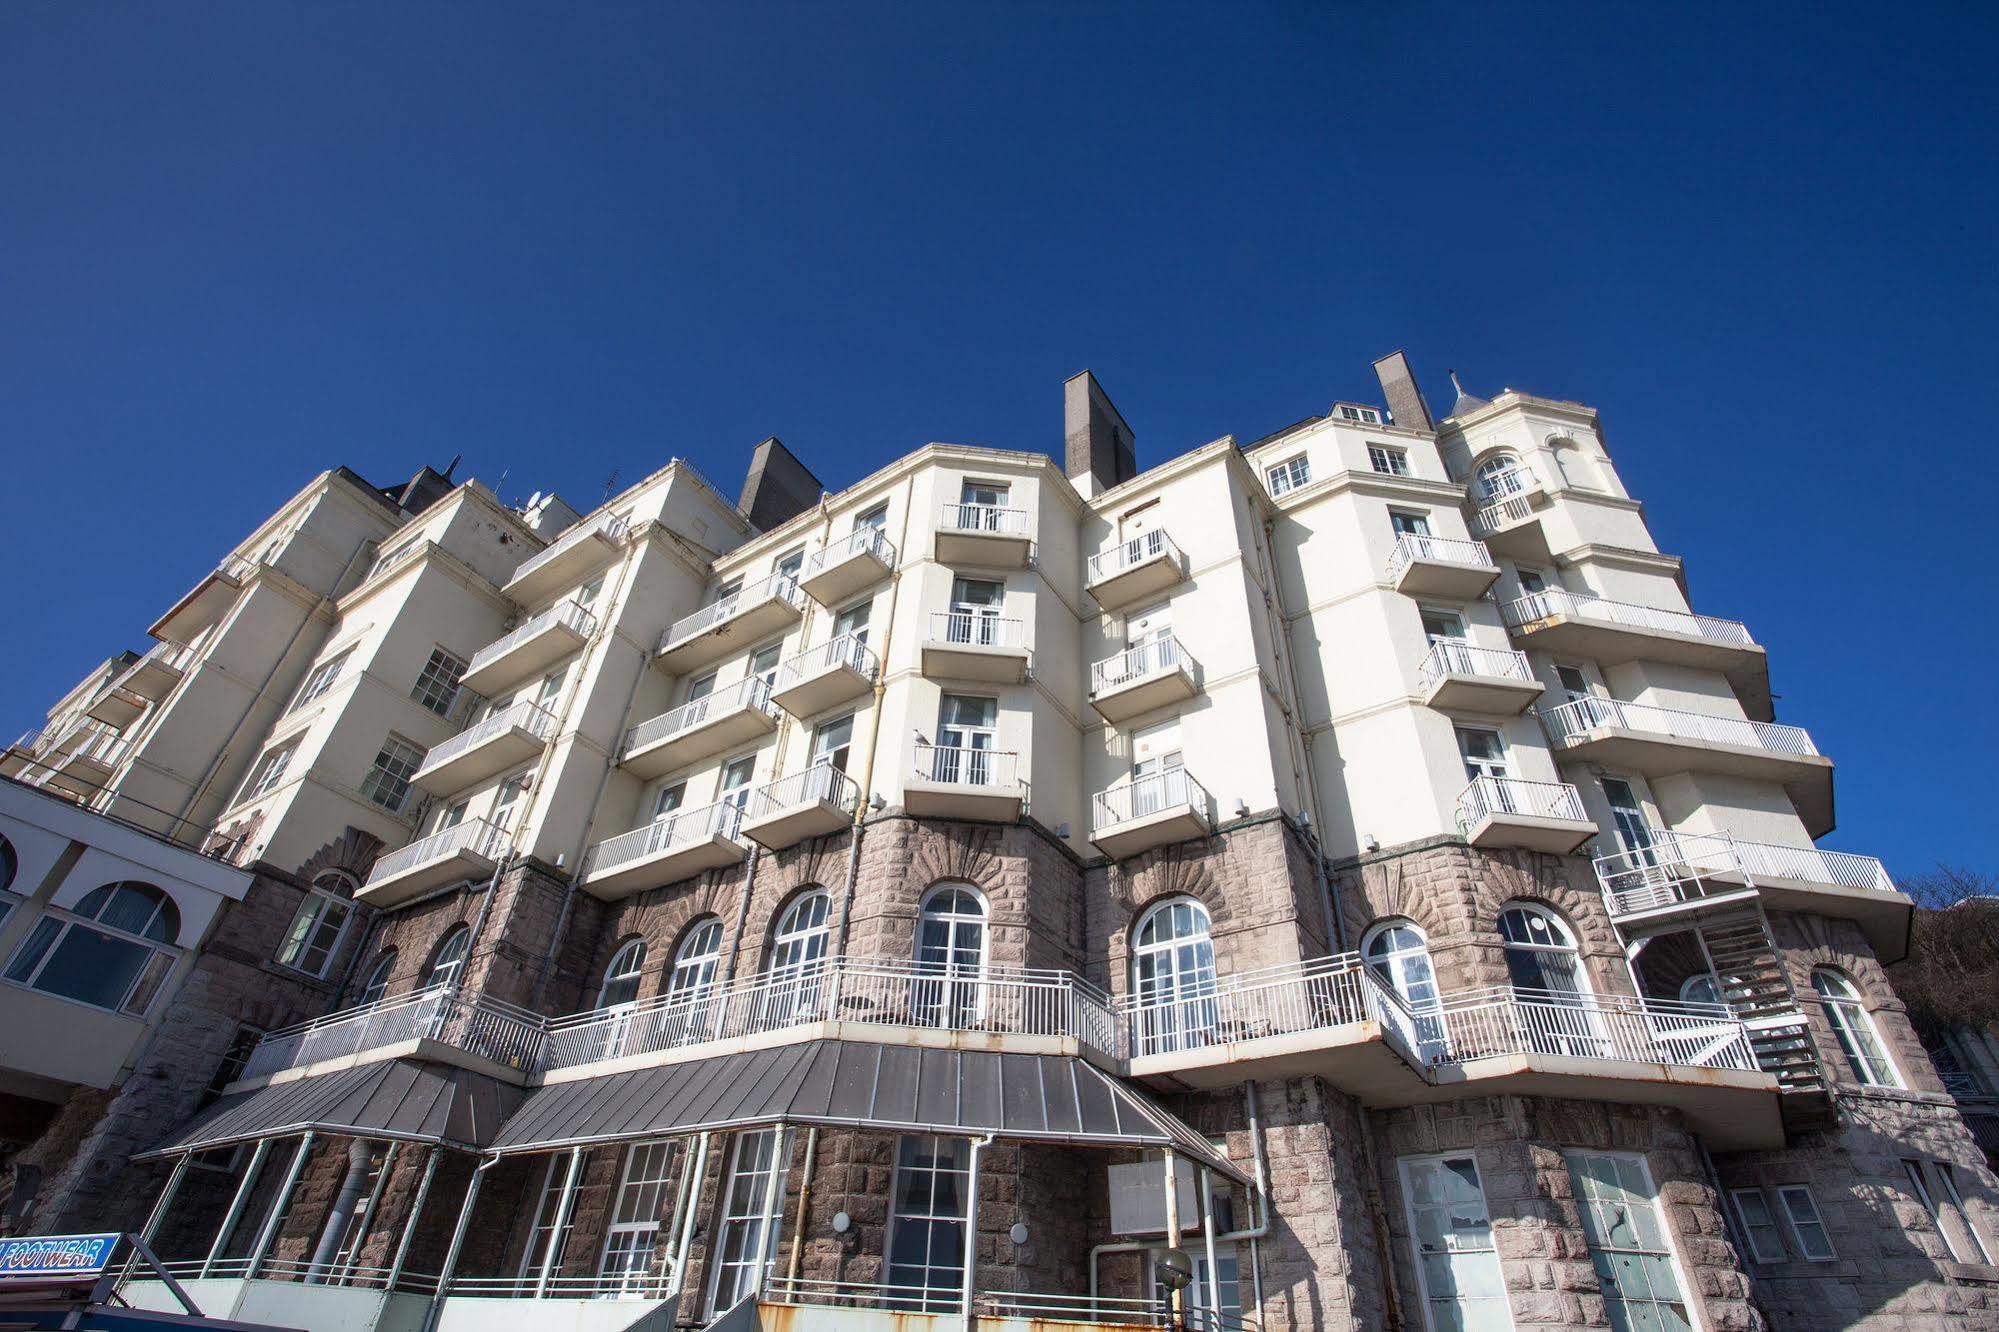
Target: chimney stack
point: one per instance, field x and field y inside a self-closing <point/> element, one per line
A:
<point x="1099" y="450"/>
<point x="1405" y="400"/>
<point x="778" y="487"/>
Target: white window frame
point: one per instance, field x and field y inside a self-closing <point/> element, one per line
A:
<point x="927" y="1295"/>
<point x="1689" y="1295"/>
<point x="377" y="983"/>
<point x="1753" y="1230"/>
<point x="543" y="1235"/>
<point x="633" y="1230"/>
<point x="1387" y="460"/>
<point x="313" y="911"/>
<point x="1790" y="1195"/>
<point x="950" y="992"/>
<point x="1175" y="995"/>
<point x="459" y="939"/>
<point x="1289" y="475"/>
<point x="627" y="964"/>
<point x="395" y="763"/>
<point x="1501" y="1303"/>
<point x="436" y="687"/>
<point x="269" y="770"/>
<point x="742" y="1211"/>
<point x="1853" y="1028"/>
<point x="323" y="677"/>
<point x="40" y="947"/>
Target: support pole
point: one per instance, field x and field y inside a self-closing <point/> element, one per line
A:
<point x="773" y="1213"/>
<point x="558" y="1231"/>
<point x="1208" y="1240"/>
<point x="367" y="1216"/>
<point x="457" y="1245"/>
<point x="1178" y="1297"/>
<point x="409" y="1222"/>
<point x="972" y="1228"/>
<point x="279" y="1203"/>
<point x="159" y="1212"/>
<point x="685" y="1240"/>
<point x="235" y="1212"/>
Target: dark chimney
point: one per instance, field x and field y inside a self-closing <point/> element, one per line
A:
<point x="426" y="488"/>
<point x="1405" y="400"/>
<point x="778" y="488"/>
<point x="1098" y="444"/>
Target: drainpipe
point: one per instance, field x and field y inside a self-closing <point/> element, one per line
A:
<point x="979" y="1144"/>
<point x="450" y="1268"/>
<point x="804" y="1202"/>
<point x="1178" y="1298"/>
<point x="742" y="917"/>
<point x="360" y="1154"/>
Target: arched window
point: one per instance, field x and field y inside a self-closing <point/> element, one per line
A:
<point x="1700" y="988"/>
<point x="1541" y="952"/>
<point x="1865" y="1055"/>
<point x="1398" y="953"/>
<point x="621" y="976"/>
<point x="10" y="865"/>
<point x="112" y="951"/>
<point x="797" y="959"/>
<point x="1500" y="476"/>
<point x="449" y="959"/>
<point x="690" y="983"/>
<point x="321" y="920"/>
<point x="1173" y="977"/>
<point x="950" y="957"/>
<point x="377" y="983"/>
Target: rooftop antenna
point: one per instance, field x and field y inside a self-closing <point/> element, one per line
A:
<point x="1454" y="384"/>
<point x="452" y="466"/>
<point x="610" y="485"/>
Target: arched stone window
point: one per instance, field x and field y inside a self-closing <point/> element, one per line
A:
<point x="622" y="974"/>
<point x="1173" y="977"/>
<point x="1399" y="953"/>
<point x="950" y="957"/>
<point x="1866" y="1056"/>
<point x="319" y="924"/>
<point x="798" y="959"/>
<point x="449" y="959"/>
<point x="377" y="983"/>
<point x="1541" y="952"/>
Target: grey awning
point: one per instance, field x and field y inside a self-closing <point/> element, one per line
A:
<point x="895" y="1088"/>
<point x="395" y="1098"/>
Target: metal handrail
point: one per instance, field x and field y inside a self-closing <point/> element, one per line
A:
<point x="977" y="629"/>
<point x="1445" y="550"/>
<point x="480" y="1024"/>
<point x="821" y="781"/>
<point x="475" y="835"/>
<point x="986" y="518"/>
<point x="1511" y="795"/>
<point x="1554" y="601"/>
<point x="568" y="612"/>
<point x="1490" y="519"/>
<point x="1160" y="653"/>
<point x="1503" y="1021"/>
<point x="778" y="587"/>
<point x="1142" y="797"/>
<point x="861" y="539"/>
<point x="846" y="650"/>
<point x="752" y="692"/>
<point x="965" y="766"/>
<point x="610" y="526"/>
<point x="1130" y="552"/>
<point x="526" y="715"/>
<point x="681" y="827"/>
<point x="1570" y="722"/>
<point x="1447" y="657"/>
<point x="1669" y="866"/>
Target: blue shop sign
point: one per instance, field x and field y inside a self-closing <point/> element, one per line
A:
<point x="45" y="1256"/>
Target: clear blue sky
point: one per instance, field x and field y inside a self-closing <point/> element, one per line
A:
<point x="243" y="242"/>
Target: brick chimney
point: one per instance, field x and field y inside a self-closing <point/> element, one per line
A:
<point x="1398" y="386"/>
<point x="778" y="487"/>
<point x="1099" y="450"/>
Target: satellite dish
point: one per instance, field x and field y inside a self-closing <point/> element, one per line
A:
<point x="534" y="499"/>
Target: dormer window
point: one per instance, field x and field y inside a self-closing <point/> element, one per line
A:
<point x="1288" y="475"/>
<point x="1353" y="411"/>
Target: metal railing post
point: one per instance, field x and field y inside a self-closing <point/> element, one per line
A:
<point x="278" y="1205"/>
<point x="235" y="1212"/>
<point x="409" y="1222"/>
<point x="555" y="1233"/>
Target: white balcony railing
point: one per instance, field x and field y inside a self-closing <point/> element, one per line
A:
<point x="1490" y="519"/>
<point x="1155" y="656"/>
<point x="1503" y="1021"/>
<point x="1669" y="866"/>
<point x="1129" y="554"/>
<point x="1573" y="720"/>
<point x="976" y="629"/>
<point x="474" y="1023"/>
<point x="858" y="541"/>
<point x="1410" y="546"/>
<point x="1452" y="658"/>
<point x="846" y="650"/>
<point x="1510" y="795"/>
<point x="529" y="716"/>
<point x="1145" y="796"/>
<point x="474" y="835"/>
<point x="1276" y="1001"/>
<point x="753" y="692"/>
<point x="610" y="526"/>
<point x="986" y="518"/>
<point x="1578" y="605"/>
<point x="963" y="766"/>
<point x="682" y="827"/>
<point x="777" y="587"/>
<point x="821" y="781"/>
<point x="570" y="613"/>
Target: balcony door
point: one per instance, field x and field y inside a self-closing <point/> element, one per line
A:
<point x="1148" y="636"/>
<point x="735" y="794"/>
<point x="1409" y="524"/>
<point x="1549" y="984"/>
<point x="763" y="670"/>
<point x="1173" y="979"/>
<point x="832" y="745"/>
<point x="1627" y="816"/>
<point x="1156" y="758"/>
<point x="975" y="611"/>
<point x="1445" y="631"/>
<point x="965" y="731"/>
<point x="853" y="623"/>
<point x="982" y="501"/>
<point x="1484" y="755"/>
<point x="950" y="959"/>
<point x="798" y="962"/>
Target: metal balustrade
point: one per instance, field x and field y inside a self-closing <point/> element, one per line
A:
<point x="1554" y="601"/>
<point x="1486" y="796"/>
<point x="1154" y="656"/>
<point x="821" y="781"/>
<point x="529" y="716"/>
<point x="777" y="587"/>
<point x="570" y="613"/>
<point x="1451" y="658"/>
<point x="753" y="692"/>
<point x="1276" y="1001"/>
<point x="1145" y="796"/>
<point x="859" y="541"/>
<point x="976" y="629"/>
<point x="474" y="835"/>
<point x="609" y="526"/>
<point x="1410" y="546"/>
<point x="986" y="518"/>
<point x="682" y="827"/>
<point x="477" y="1024"/>
<point x="1668" y="868"/>
<point x="962" y="766"/>
<point x="1504" y="1021"/>
<point x="846" y="650"/>
<point x="1490" y="519"/>
<point x="1128" y="554"/>
<point x="1574" y="720"/>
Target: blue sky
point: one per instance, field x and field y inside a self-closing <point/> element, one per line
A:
<point x="239" y="243"/>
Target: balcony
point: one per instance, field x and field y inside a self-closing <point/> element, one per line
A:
<point x="504" y="740"/>
<point x="971" y="645"/>
<point x="1614" y="632"/>
<point x="1493" y="682"/>
<point x="569" y="559"/>
<point x="1155" y="674"/>
<point x="1678" y="872"/>
<point x="1655" y="742"/>
<point x="957" y="783"/>
<point x="1135" y="571"/>
<point x="1511" y="525"/>
<point x="469" y="850"/>
<point x="116" y="706"/>
<point x="985" y="536"/>
<point x="82" y="760"/>
<point x="730" y="624"/>
<point x="153" y="676"/>
<point x="1530" y="816"/>
<point x="1149" y="812"/>
<point x="693" y="731"/>
<point x="814" y="803"/>
<point x="672" y="847"/>
<point x="837" y="571"/>
<point x="202" y="608"/>
<point x="436" y="1023"/>
<point x="1429" y="566"/>
<point x="538" y="643"/>
<point x="824" y="677"/>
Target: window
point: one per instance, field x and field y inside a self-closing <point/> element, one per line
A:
<point x="268" y="771"/>
<point x="1398" y="952"/>
<point x="1484" y="753"/>
<point x="1409" y="524"/>
<point x="975" y="611"/>
<point x="744" y="1242"/>
<point x="1766" y="1242"/>
<point x="544" y="1244"/>
<point x="388" y="781"/>
<point x="1173" y="975"/>
<point x="437" y="685"/>
<point x="377" y="983"/>
<point x="950" y="958"/>
<point x="1390" y="462"/>
<point x="926" y="1239"/>
<point x="621" y="977"/>
<point x="1627" y="816"/>
<point x="551" y="685"/>
<point x="965" y="733"/>
<point x="853" y="622"/>
<point x="1955" y="1201"/>
<point x="1866" y="1058"/>
<point x="586" y="595"/>
<point x="1500" y="477"/>
<point x="1354" y="412"/>
<point x="1531" y="582"/>
<point x="1541" y="953"/>
<point x="735" y="793"/>
<point x="875" y="518"/>
<point x="1627" y="1241"/>
<point x="726" y="589"/>
<point x="315" y="932"/>
<point x="322" y="679"/>
<point x="799" y="944"/>
<point x="1443" y="626"/>
<point x="989" y="494"/>
<point x="1700" y="988"/>
<point x="112" y="951"/>
<point x="1806" y="1227"/>
<point x="691" y="980"/>
<point x="235" y="1058"/>
<point x="763" y="667"/>
<point x="832" y="743"/>
<point x="635" y="1217"/>
<point x="1952" y="1224"/>
<point x="1457" y="1264"/>
<point x="395" y="553"/>
<point x="1202" y="1293"/>
<point x="1288" y="475"/>
<point x="508" y="801"/>
<point x="451" y="815"/>
<point x="788" y="564"/>
<point x="668" y="800"/>
<point x="449" y="959"/>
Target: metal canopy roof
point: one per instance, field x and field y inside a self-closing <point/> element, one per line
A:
<point x="895" y="1088"/>
<point x="395" y="1098"/>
